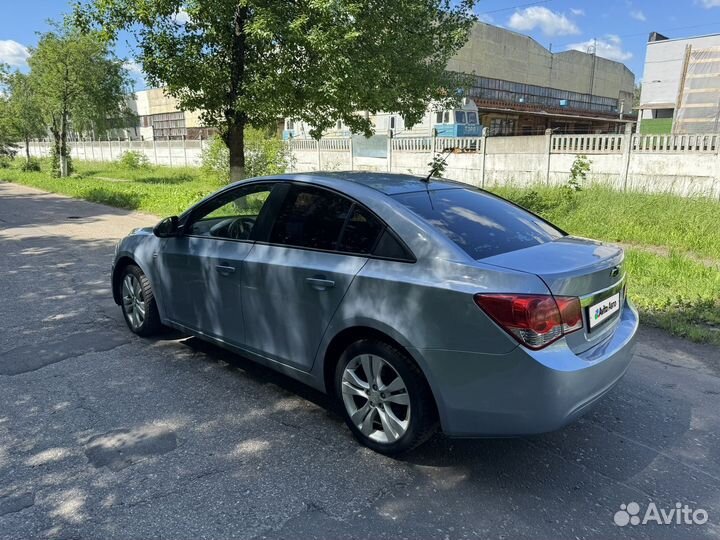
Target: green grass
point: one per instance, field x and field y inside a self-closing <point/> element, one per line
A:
<point x="675" y="293"/>
<point x="683" y="224"/>
<point x="656" y="126"/>
<point x="673" y="261"/>
<point x="162" y="191"/>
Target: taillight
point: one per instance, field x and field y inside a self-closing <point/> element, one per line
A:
<point x="534" y="320"/>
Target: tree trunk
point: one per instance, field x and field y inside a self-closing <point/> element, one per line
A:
<point x="63" y="147"/>
<point x="27" y="148"/>
<point x="236" y="146"/>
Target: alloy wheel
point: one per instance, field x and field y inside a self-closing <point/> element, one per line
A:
<point x="376" y="398"/>
<point x="133" y="301"/>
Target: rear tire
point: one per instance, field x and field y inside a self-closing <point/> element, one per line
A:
<point x="385" y="399"/>
<point x="138" y="302"/>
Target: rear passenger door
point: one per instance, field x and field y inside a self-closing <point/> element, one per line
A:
<point x="295" y="280"/>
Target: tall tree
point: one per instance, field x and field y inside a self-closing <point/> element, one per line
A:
<point x="248" y="62"/>
<point x="7" y="137"/>
<point x="24" y="119"/>
<point x="79" y="85"/>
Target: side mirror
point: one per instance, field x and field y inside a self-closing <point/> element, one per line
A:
<point x="167" y="227"/>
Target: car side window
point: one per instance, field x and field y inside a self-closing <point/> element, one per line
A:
<point x="310" y="217"/>
<point x="231" y="216"/>
<point x="361" y="231"/>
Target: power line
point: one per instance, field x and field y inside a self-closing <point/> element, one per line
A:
<point x="635" y="34"/>
<point x="514" y="7"/>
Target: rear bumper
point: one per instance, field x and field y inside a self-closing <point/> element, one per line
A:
<point x="525" y="392"/>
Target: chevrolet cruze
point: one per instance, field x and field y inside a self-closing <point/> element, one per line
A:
<point x="418" y="304"/>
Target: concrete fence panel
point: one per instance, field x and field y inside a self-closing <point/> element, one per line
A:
<point x="687" y="165"/>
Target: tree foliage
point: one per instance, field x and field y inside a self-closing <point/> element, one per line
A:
<point x="78" y="84"/>
<point x="249" y="62"/>
<point x="7" y="137"/>
<point x="24" y="120"/>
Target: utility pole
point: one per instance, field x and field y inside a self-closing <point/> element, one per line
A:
<point x="592" y="75"/>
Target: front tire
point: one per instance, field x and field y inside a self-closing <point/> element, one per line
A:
<point x="138" y="302"/>
<point x="386" y="401"/>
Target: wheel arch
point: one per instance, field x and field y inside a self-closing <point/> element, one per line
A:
<point x="344" y="338"/>
<point x="120" y="265"/>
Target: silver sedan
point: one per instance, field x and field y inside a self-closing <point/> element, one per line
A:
<point x="417" y="304"/>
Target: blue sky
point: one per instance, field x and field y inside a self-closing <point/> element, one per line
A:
<point x="620" y="27"/>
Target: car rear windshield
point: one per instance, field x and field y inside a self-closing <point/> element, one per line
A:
<point x="481" y="224"/>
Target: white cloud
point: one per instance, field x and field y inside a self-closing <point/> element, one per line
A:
<point x="549" y="22"/>
<point x="577" y="12"/>
<point x="710" y="3"/>
<point x="638" y="15"/>
<point x="133" y="67"/>
<point x="610" y="47"/>
<point x="182" y="17"/>
<point x="13" y="53"/>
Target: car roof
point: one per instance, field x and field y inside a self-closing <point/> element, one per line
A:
<point x="387" y="183"/>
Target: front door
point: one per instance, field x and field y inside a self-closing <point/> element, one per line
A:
<point x="200" y="271"/>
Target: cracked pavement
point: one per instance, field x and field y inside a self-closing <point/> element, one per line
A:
<point x="107" y="435"/>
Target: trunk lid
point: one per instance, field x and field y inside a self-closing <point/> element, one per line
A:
<point x="572" y="266"/>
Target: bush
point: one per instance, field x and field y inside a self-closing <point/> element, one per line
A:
<point x="134" y="160"/>
<point x="578" y="172"/>
<point x="215" y="160"/>
<point x="5" y="162"/>
<point x="55" y="162"/>
<point x="264" y="155"/>
<point x="31" y="165"/>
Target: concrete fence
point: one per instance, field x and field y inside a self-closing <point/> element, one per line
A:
<point x="687" y="165"/>
<point x="173" y="153"/>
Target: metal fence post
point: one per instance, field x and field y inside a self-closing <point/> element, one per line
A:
<point x="319" y="159"/>
<point x="389" y="151"/>
<point x="110" y="148"/>
<point x="155" y="151"/>
<point x="184" y="150"/>
<point x="169" y="150"/>
<point x="627" y="150"/>
<point x="352" y="157"/>
<point x="102" y="158"/>
<point x="548" y="153"/>
<point x="483" y="149"/>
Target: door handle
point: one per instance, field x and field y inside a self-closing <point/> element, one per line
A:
<point x="320" y="283"/>
<point x="225" y="270"/>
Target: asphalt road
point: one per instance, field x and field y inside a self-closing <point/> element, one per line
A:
<point x="106" y="435"/>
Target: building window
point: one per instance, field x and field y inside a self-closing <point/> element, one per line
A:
<point x="392" y="123"/>
<point x="502" y="126"/>
<point x="439" y="117"/>
<point x="471" y="117"/>
<point x="663" y="113"/>
<point x="446" y="117"/>
<point x="459" y="117"/>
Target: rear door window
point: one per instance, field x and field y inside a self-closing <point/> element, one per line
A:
<point x="311" y="218"/>
<point x="481" y="224"/>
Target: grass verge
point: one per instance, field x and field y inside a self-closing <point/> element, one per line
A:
<point x="162" y="191"/>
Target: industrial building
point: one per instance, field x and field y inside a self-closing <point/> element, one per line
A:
<point x="681" y="85"/>
<point x="160" y="118"/>
<point x="520" y="88"/>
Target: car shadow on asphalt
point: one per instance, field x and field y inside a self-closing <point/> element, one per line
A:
<point x="614" y="435"/>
